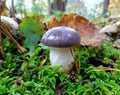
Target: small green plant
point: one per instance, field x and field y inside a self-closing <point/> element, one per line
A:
<point x="32" y="29"/>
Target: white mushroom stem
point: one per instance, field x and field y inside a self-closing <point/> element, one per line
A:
<point x="62" y="57"/>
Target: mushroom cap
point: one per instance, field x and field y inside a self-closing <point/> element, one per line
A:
<point x="61" y="37"/>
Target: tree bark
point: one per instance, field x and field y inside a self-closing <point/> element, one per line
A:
<point x="105" y="7"/>
<point x="57" y="5"/>
<point x="12" y="10"/>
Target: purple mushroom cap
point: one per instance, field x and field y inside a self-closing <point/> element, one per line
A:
<point x="61" y="37"/>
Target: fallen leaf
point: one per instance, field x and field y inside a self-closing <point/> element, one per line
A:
<point x="111" y="28"/>
<point x="88" y="32"/>
<point x="117" y="43"/>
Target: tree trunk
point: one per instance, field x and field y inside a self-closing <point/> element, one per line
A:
<point x="105" y="7"/>
<point x="12" y="10"/>
<point x="57" y="5"/>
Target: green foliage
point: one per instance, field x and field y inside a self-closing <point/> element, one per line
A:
<point x="32" y="29"/>
<point x="24" y="75"/>
<point x="97" y="81"/>
<point x="57" y="14"/>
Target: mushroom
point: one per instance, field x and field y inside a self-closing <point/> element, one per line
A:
<point x="60" y="40"/>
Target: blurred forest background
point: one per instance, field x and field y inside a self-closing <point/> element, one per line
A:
<point x="87" y="8"/>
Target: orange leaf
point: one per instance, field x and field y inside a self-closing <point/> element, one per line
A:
<point x="88" y="32"/>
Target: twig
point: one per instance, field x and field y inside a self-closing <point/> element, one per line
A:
<point x="78" y="65"/>
<point x="5" y="30"/>
<point x="1" y="48"/>
<point x="106" y="69"/>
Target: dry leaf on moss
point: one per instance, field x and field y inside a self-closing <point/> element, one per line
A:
<point x="89" y="34"/>
<point x="117" y="43"/>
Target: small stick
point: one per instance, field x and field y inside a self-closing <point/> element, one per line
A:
<point x="1" y="47"/>
<point x="78" y="65"/>
<point x="5" y="30"/>
<point x="107" y="69"/>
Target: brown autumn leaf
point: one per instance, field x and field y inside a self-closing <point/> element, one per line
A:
<point x="52" y="23"/>
<point x="117" y="43"/>
<point x="67" y="20"/>
<point x="88" y="32"/>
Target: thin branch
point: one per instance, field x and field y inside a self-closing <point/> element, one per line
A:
<point x="5" y="31"/>
<point x="105" y="69"/>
